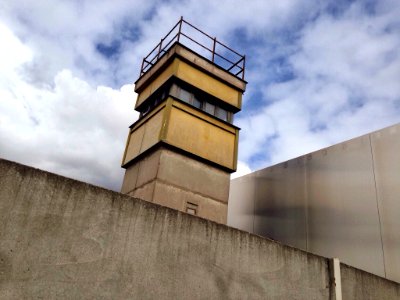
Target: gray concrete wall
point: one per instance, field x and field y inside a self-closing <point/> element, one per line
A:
<point x="358" y="284"/>
<point x="64" y="239"/>
<point x="342" y="201"/>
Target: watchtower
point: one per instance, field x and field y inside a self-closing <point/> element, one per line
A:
<point x="182" y="149"/>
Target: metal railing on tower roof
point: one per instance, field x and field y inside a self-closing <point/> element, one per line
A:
<point x="185" y="33"/>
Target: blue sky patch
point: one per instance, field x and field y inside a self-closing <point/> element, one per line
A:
<point x="109" y="50"/>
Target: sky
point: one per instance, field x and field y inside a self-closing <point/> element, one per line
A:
<point x="318" y="72"/>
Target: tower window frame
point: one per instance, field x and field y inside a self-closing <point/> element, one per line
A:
<point x="205" y="105"/>
<point x="159" y="96"/>
<point x="186" y="96"/>
<point x="209" y="108"/>
<point x="221" y="113"/>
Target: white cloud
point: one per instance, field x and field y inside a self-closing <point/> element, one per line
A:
<point x="69" y="128"/>
<point x="64" y="34"/>
<point x="242" y="169"/>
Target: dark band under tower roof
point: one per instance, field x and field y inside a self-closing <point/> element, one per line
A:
<point x="181" y="151"/>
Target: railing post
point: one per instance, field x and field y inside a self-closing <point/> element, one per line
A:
<point x="180" y="28"/>
<point x="141" y="68"/>
<point x="244" y="65"/>
<point x="159" y="49"/>
<point x="213" y="52"/>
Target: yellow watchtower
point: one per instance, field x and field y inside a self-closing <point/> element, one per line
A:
<point x="181" y="151"/>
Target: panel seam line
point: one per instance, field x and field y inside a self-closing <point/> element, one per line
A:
<point x="377" y="204"/>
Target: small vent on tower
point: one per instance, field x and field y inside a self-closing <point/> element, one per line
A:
<point x="191" y="208"/>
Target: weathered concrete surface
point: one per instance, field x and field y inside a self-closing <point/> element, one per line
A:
<point x="171" y="179"/>
<point x="64" y="239"/>
<point x="358" y="284"/>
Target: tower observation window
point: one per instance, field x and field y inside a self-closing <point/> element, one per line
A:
<point x="155" y="99"/>
<point x="221" y="114"/>
<point x="190" y="98"/>
<point x="196" y="103"/>
<point x="185" y="96"/>
<point x="209" y="108"/>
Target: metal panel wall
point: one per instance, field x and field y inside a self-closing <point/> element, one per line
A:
<point x="342" y="201"/>
<point x="241" y="203"/>
<point x="280" y="208"/>
<point x="342" y="207"/>
<point x="386" y="153"/>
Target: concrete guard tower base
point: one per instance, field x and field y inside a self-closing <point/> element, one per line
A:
<point x="172" y="179"/>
